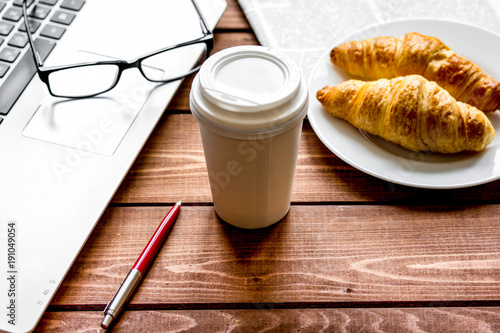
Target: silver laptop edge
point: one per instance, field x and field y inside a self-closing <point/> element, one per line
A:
<point x="53" y="193"/>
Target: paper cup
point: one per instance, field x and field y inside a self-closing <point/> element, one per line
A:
<point x="250" y="102"/>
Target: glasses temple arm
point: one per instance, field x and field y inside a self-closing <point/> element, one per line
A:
<point x="34" y="51"/>
<point x="203" y="21"/>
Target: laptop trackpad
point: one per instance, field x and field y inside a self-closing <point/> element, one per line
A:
<point x="96" y="124"/>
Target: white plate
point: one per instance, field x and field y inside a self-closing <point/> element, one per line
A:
<point x="387" y="161"/>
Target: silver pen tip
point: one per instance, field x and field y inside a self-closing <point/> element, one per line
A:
<point x="178" y="202"/>
<point x="106" y="322"/>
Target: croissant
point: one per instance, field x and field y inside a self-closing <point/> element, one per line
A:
<point x="409" y="111"/>
<point x="389" y="57"/>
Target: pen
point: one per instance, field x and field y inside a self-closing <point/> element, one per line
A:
<point x="140" y="267"/>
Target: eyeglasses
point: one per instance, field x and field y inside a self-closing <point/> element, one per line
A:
<point x="93" y="78"/>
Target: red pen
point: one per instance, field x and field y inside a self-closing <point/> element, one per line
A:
<point x="140" y="267"/>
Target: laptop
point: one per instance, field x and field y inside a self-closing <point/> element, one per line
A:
<point x="61" y="160"/>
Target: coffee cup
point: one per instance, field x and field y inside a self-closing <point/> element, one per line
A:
<point x="250" y="102"/>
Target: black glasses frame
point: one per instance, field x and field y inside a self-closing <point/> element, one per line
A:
<point x="44" y="72"/>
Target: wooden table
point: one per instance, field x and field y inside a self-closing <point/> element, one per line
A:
<point x="354" y="254"/>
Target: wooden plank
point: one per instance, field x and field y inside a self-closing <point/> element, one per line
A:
<point x="316" y="255"/>
<point x="233" y="17"/>
<point x="272" y="320"/>
<point x="225" y="40"/>
<point x="172" y="167"/>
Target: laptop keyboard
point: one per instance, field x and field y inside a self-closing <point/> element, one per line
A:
<point x="48" y="21"/>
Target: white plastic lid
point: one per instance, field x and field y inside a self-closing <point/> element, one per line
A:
<point x="248" y="90"/>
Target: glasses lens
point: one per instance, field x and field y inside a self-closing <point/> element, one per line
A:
<point x="174" y="63"/>
<point x="83" y="80"/>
